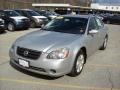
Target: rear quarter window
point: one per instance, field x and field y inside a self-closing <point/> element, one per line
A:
<point x="99" y="23"/>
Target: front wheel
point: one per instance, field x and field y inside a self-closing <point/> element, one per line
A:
<point x="108" y="22"/>
<point x="78" y="64"/>
<point x="11" y="27"/>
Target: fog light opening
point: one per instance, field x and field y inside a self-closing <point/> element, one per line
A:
<point x="52" y="71"/>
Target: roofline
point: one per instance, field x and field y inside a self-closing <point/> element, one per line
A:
<point x="51" y="5"/>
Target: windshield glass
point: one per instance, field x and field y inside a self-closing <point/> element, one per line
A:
<point x="12" y="13"/>
<point x="71" y="25"/>
<point x="33" y="13"/>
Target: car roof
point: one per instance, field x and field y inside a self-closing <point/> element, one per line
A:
<point x="78" y="16"/>
<point x="24" y="9"/>
<point x="7" y="10"/>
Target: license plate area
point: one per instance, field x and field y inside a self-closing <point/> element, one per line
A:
<point x="23" y="63"/>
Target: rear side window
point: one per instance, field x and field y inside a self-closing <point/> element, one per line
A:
<point x="24" y="13"/>
<point x="18" y="11"/>
<point x="99" y="23"/>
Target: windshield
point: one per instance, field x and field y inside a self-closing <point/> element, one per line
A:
<point x="12" y="13"/>
<point x="33" y="13"/>
<point x="71" y="25"/>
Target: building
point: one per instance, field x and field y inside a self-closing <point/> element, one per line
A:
<point x="71" y="2"/>
<point x="61" y="4"/>
<point x="13" y="4"/>
<point x="108" y="5"/>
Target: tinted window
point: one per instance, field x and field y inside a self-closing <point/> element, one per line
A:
<point x="92" y="24"/>
<point x="18" y="11"/>
<point x="67" y="25"/>
<point x="24" y="13"/>
<point x="12" y="13"/>
<point x="99" y="23"/>
<point x="33" y="13"/>
<point x="42" y="12"/>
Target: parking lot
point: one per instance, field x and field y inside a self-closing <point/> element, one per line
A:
<point x="101" y="72"/>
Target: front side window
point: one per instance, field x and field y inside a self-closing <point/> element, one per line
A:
<point x="71" y="25"/>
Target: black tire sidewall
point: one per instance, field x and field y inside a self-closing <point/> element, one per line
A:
<point x="12" y="26"/>
<point x="104" y="47"/>
<point x="74" y="70"/>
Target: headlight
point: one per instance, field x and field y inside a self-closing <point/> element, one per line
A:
<point x="18" y="20"/>
<point x="58" y="54"/>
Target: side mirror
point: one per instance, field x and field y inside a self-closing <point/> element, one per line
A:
<point x="93" y="31"/>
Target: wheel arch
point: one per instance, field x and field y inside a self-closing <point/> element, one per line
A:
<point x="84" y="50"/>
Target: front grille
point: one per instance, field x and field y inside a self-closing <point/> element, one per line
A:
<point x="44" y="19"/>
<point x="28" y="53"/>
<point x="26" y="20"/>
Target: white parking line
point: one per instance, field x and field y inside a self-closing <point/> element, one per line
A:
<point x="101" y="65"/>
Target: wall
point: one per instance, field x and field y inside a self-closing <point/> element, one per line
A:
<point x="14" y="4"/>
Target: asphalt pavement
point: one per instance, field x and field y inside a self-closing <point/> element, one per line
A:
<point x="101" y="71"/>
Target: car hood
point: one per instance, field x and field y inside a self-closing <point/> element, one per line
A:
<point x="19" y="17"/>
<point x="38" y="16"/>
<point x="45" y="40"/>
<point x="1" y="19"/>
<point x="52" y="16"/>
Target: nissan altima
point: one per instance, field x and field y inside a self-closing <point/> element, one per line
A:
<point x="61" y="47"/>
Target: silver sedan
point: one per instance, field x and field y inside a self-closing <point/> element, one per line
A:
<point x="61" y="47"/>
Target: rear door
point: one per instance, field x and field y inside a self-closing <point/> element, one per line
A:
<point x="101" y="31"/>
<point x="92" y="39"/>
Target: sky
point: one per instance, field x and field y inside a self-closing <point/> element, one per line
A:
<point x="117" y="2"/>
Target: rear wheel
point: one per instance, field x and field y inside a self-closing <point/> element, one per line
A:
<point x="26" y="28"/>
<point x="108" y="22"/>
<point x="78" y="64"/>
<point x="11" y="27"/>
<point x="103" y="47"/>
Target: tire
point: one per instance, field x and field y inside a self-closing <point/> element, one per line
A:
<point x="103" y="47"/>
<point x="32" y="25"/>
<point x="78" y="64"/>
<point x="2" y="31"/>
<point x="11" y="27"/>
<point x="108" y="22"/>
<point x="26" y="28"/>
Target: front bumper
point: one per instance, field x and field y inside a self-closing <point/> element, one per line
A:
<point x="23" y="24"/>
<point x="2" y="28"/>
<point x="39" y="24"/>
<point x="53" y="68"/>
